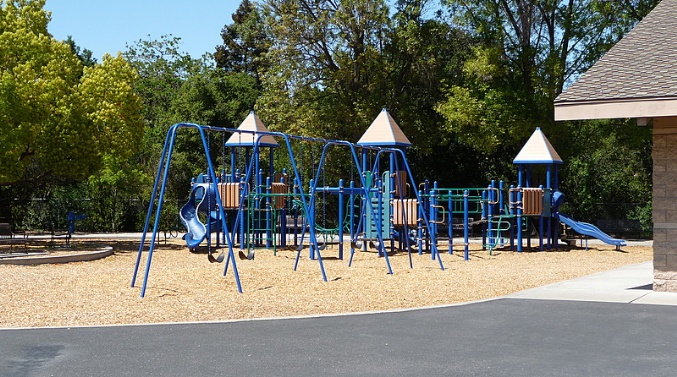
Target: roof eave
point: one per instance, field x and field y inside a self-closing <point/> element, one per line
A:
<point x="616" y="108"/>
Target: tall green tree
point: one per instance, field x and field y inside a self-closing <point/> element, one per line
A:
<point x="47" y="122"/>
<point x="607" y="174"/>
<point x="424" y="55"/>
<point x="527" y="52"/>
<point x="326" y="66"/>
<point x="335" y="64"/>
<point x="245" y="43"/>
<point x="177" y="88"/>
<point x="84" y="54"/>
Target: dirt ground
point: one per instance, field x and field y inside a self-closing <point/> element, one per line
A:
<point x="184" y="287"/>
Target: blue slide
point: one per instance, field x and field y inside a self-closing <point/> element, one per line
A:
<point x="590" y="230"/>
<point x="196" y="231"/>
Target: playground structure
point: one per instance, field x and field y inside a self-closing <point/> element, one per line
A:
<point x="240" y="209"/>
<point x="250" y="205"/>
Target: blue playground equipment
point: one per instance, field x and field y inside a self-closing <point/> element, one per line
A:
<point x="585" y="229"/>
<point x="247" y="207"/>
<point x="531" y="207"/>
<point x="507" y="215"/>
<point x="202" y="200"/>
<point x="244" y="207"/>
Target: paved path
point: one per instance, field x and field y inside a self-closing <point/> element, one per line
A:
<point x="581" y="327"/>
<point x="629" y="284"/>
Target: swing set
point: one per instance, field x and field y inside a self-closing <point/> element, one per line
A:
<point x="245" y="208"/>
<point x="229" y="203"/>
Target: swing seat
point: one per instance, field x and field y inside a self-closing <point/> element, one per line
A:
<point x="249" y="256"/>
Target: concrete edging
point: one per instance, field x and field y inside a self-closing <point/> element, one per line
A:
<point x="79" y="257"/>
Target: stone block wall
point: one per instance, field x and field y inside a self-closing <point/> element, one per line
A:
<point x="665" y="204"/>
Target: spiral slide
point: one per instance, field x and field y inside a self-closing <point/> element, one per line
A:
<point x="196" y="231"/>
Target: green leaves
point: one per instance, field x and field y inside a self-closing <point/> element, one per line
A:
<point x="608" y="169"/>
<point x="54" y="115"/>
<point x="106" y="92"/>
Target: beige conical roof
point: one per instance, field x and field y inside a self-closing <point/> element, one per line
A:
<point x="384" y="131"/>
<point x="246" y="139"/>
<point x="537" y="150"/>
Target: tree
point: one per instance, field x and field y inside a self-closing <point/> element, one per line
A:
<point x="85" y="55"/>
<point x="336" y="64"/>
<point x="424" y="56"/>
<point x="53" y="121"/>
<point x="177" y="88"/>
<point x="325" y="65"/>
<point x="609" y="178"/>
<point x="527" y="51"/>
<point x="245" y="43"/>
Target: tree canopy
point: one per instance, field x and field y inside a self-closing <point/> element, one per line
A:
<point x="467" y="81"/>
<point x="57" y="117"/>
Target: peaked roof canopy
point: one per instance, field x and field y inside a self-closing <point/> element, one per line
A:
<point x="537" y="150"/>
<point x="637" y="78"/>
<point x="384" y="132"/>
<point x="246" y="139"/>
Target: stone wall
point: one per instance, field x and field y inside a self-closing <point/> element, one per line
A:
<point x="665" y="204"/>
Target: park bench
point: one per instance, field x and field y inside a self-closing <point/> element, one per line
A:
<point x="7" y="236"/>
<point x="59" y="234"/>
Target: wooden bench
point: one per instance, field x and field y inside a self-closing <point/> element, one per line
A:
<point x="7" y="236"/>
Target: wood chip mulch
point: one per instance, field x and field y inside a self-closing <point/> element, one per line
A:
<point x="184" y="286"/>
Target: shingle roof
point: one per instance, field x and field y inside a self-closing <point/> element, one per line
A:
<point x="641" y="65"/>
<point x="246" y="139"/>
<point x="384" y="132"/>
<point x="537" y="150"/>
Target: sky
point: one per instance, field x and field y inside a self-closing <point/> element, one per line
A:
<point x="107" y="26"/>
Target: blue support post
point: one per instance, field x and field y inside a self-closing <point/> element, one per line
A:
<point x="550" y="235"/>
<point x="450" y="222"/>
<point x="501" y="209"/>
<point x="311" y="216"/>
<point x="485" y="218"/>
<point x="541" y="231"/>
<point x="420" y="230"/>
<point x="233" y="165"/>
<point x="466" y="226"/>
<point x="341" y="210"/>
<point x="209" y="212"/>
<point x="426" y="205"/>
<point x="378" y="218"/>
<point x="365" y="156"/>
<point x="391" y="196"/>
<point x="528" y="183"/>
<point x="433" y="217"/>
<point x="242" y="214"/>
<point x="270" y="202"/>
<point x="520" y="211"/>
<point x="491" y="197"/>
<point x="352" y="210"/>
<point x="511" y="212"/>
<point x="519" y="175"/>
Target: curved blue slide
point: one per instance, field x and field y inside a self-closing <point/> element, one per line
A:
<point x="588" y="229"/>
<point x="196" y="231"/>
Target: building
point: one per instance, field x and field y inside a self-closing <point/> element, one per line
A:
<point x="637" y="78"/>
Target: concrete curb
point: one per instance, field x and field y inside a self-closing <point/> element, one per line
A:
<point x="79" y="257"/>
